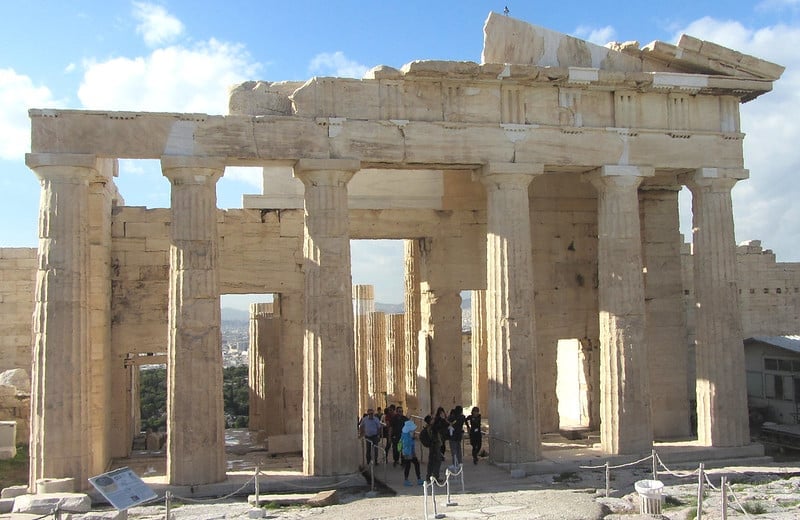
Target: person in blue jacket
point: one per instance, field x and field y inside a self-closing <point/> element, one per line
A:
<point x="409" y="452"/>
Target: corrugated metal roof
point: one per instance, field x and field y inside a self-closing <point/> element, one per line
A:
<point x="791" y="343"/>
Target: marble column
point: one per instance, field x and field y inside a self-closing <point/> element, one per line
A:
<point x="59" y="445"/>
<point x="262" y="353"/>
<point x="412" y="324"/>
<point x="330" y="439"/>
<point x="376" y="362"/>
<point x="480" y="388"/>
<point x="719" y="351"/>
<point x="625" y="398"/>
<point x="513" y="408"/>
<point x="290" y="310"/>
<point x="195" y="415"/>
<point x="666" y="337"/>
<point x="103" y="196"/>
<point x="395" y="359"/>
<point x="363" y="305"/>
<point x="440" y="358"/>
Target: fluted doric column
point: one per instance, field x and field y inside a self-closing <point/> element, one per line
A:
<point x="376" y="364"/>
<point x="511" y="339"/>
<point x="363" y="305"/>
<point x="719" y="350"/>
<point x="395" y="359"/>
<point x="195" y="413"/>
<point x="59" y="444"/>
<point x="263" y="353"/>
<point x="412" y="324"/>
<point x="480" y="395"/>
<point x="330" y="441"/>
<point x="625" y="398"/>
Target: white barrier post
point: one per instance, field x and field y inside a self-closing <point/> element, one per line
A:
<point x="425" y="495"/>
<point x="724" y="498"/>
<point x="700" y="482"/>
<point x="655" y="465"/>
<point x="608" y="479"/>
<point x="433" y="497"/>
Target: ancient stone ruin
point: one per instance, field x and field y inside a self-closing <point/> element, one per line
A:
<point x="545" y="179"/>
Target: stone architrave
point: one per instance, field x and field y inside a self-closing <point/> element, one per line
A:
<point x="625" y="398"/>
<point x="195" y="416"/>
<point x="60" y="383"/>
<point x="412" y="324"/>
<point x="480" y="396"/>
<point x="330" y="441"/>
<point x="722" y="417"/>
<point x="513" y="406"/>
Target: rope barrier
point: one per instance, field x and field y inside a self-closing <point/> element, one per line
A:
<point x="620" y="465"/>
<point x="708" y="481"/>
<point x="736" y="499"/>
<point x="672" y="473"/>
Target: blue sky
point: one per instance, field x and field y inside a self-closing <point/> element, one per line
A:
<point x="180" y="56"/>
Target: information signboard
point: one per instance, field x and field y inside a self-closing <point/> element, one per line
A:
<point x="122" y="488"/>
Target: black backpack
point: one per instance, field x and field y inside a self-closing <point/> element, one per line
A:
<point x="425" y="437"/>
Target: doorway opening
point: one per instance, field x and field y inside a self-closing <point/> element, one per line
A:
<point x="572" y="386"/>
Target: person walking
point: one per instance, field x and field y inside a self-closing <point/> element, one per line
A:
<point x="473" y="422"/>
<point x="456" y="420"/>
<point x="434" y="451"/>
<point x="396" y="430"/>
<point x="370" y="428"/>
<point x="409" y="451"/>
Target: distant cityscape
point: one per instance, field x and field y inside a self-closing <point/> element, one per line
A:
<point x="236" y="330"/>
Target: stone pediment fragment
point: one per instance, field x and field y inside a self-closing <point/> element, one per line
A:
<point x="695" y="55"/>
<point x="507" y="40"/>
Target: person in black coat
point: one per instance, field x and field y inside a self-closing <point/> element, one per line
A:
<point x="473" y="422"/>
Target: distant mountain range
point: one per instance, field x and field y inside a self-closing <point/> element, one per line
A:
<point x="233" y="314"/>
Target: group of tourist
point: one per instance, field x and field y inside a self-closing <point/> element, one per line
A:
<point x="397" y="432"/>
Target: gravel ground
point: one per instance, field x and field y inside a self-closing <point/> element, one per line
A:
<point x="766" y="492"/>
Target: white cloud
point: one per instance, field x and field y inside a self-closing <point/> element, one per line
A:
<point x="17" y="95"/>
<point x="172" y="79"/>
<point x="156" y="25"/>
<point x="777" y="5"/>
<point x="600" y="36"/>
<point x="765" y="205"/>
<point x="336" y="64"/>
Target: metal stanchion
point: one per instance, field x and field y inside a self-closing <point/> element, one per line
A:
<point x="168" y="503"/>
<point x="608" y="479"/>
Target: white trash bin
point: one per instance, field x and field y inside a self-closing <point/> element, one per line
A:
<point x="651" y="497"/>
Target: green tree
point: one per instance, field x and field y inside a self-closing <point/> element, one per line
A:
<point x="153" y="397"/>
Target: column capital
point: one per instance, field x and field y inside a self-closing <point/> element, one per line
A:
<point x="326" y="171"/>
<point x="618" y="175"/>
<point x="509" y="175"/>
<point x="187" y="169"/>
<point x="715" y="178"/>
<point x="66" y="167"/>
